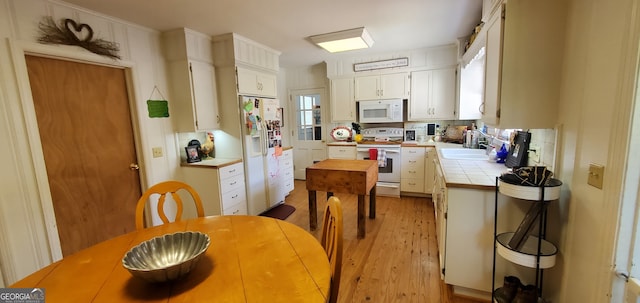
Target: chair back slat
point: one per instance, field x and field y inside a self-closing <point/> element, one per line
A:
<point x="162" y="189"/>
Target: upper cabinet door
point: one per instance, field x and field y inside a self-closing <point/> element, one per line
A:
<point x="491" y="106"/>
<point x="443" y="94"/>
<point x="524" y="62"/>
<point x="343" y="106"/>
<point x="205" y="100"/>
<point x="386" y="86"/>
<point x="367" y="88"/>
<point x="255" y="83"/>
<point x="394" y="86"/>
<point x="433" y="95"/>
<point x="194" y="101"/>
<point x="419" y="103"/>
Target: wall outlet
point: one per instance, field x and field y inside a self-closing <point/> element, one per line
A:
<point x="157" y="152"/>
<point x="534" y="154"/>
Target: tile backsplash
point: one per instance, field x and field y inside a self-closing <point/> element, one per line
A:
<point x="544" y="142"/>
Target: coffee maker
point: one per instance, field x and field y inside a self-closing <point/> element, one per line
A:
<point x="519" y="150"/>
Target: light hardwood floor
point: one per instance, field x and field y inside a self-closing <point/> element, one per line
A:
<point x="397" y="261"/>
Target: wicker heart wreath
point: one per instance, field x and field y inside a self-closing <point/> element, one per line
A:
<point x="69" y="32"/>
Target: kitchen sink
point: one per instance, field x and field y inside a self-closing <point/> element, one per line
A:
<point x="464" y="154"/>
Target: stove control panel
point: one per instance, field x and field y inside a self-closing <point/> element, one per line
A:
<point x="383" y="132"/>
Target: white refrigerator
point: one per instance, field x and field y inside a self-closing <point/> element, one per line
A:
<point x="262" y="147"/>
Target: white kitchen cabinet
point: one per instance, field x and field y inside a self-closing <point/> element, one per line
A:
<point x="429" y="169"/>
<point x="493" y="56"/>
<point x="523" y="64"/>
<point x="192" y="82"/>
<point x="417" y="173"/>
<point x="256" y="83"/>
<point x="433" y="95"/>
<point x="385" y="86"/>
<point x="221" y="188"/>
<point x="342" y="152"/>
<point x="412" y="172"/>
<point x="439" y="198"/>
<point x="343" y="104"/>
<point x="286" y="167"/>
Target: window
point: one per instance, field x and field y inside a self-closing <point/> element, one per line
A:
<point x="308" y="117"/>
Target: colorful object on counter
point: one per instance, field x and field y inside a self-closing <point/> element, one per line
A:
<point x="356" y="127"/>
<point x="502" y="154"/>
<point x="373" y="153"/>
<point x="207" y="146"/>
<point x="358" y="138"/>
<point x="341" y="133"/>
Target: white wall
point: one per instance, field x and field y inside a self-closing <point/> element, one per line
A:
<point x="28" y="235"/>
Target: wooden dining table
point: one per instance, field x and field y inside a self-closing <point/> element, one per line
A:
<point x="343" y="176"/>
<point x="250" y="259"/>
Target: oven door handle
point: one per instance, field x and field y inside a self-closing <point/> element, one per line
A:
<point x="393" y="151"/>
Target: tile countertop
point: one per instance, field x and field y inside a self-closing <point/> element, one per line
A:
<point x="342" y="143"/>
<point x="213" y="163"/>
<point x="475" y="174"/>
<point x="219" y="162"/>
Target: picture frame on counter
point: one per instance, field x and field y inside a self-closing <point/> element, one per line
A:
<point x="192" y="154"/>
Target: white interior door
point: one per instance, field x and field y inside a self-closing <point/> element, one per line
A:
<point x="627" y="255"/>
<point x="308" y="132"/>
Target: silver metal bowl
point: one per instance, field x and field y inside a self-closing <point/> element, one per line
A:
<point x="167" y="257"/>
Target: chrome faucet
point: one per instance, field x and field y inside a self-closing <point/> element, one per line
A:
<point x="485" y="141"/>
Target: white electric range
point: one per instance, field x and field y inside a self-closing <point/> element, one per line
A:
<point x="385" y="142"/>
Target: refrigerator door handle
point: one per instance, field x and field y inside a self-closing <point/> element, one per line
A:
<point x="265" y="140"/>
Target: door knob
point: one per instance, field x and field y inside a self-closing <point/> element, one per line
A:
<point x="134" y="166"/>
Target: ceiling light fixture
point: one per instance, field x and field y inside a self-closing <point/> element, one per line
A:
<point x="346" y="40"/>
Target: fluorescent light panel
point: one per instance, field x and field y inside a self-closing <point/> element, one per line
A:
<point x="346" y="40"/>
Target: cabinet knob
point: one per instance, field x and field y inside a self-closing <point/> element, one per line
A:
<point x="134" y="166"/>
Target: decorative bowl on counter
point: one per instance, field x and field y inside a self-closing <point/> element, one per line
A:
<point x="167" y="257"/>
<point x="341" y="133"/>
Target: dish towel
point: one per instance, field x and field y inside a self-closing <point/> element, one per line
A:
<point x="373" y="153"/>
<point x="382" y="158"/>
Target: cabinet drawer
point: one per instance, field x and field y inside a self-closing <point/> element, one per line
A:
<point x="286" y="174"/>
<point x="232" y="183"/>
<point x="413" y="152"/>
<point x="412" y="173"/>
<point x="412" y="185"/>
<point x="233" y="197"/>
<point x="340" y="152"/>
<point x="236" y="209"/>
<point x="286" y="162"/>
<point x="231" y="170"/>
<point x="288" y="185"/>
<point x="415" y="163"/>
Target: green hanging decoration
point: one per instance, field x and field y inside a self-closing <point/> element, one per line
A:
<point x="157" y="108"/>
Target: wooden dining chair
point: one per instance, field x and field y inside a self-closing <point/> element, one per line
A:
<point x="162" y="189"/>
<point x="331" y="241"/>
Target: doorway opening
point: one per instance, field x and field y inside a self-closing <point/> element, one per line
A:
<point x="308" y="133"/>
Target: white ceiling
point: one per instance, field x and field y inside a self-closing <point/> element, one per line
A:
<point x="285" y="25"/>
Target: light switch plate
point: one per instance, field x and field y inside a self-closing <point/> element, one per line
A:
<point x="596" y="175"/>
<point x="157" y="152"/>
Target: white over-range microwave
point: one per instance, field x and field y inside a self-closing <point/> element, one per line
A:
<point x="380" y="111"/>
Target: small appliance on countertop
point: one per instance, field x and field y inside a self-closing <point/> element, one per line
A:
<point x="410" y="135"/>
